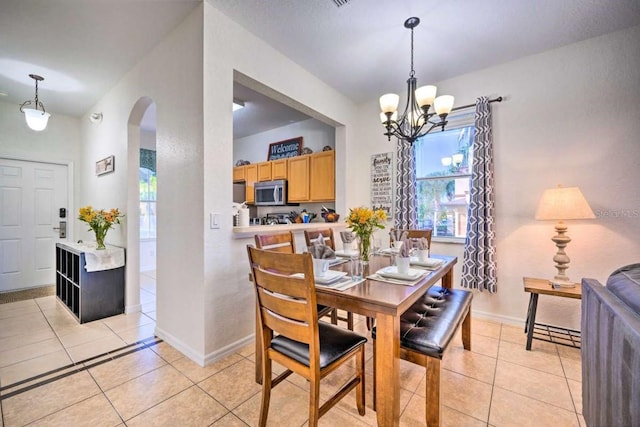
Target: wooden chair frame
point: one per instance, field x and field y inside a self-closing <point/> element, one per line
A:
<point x="287" y="306"/>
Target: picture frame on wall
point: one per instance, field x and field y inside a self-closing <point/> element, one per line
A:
<point x="106" y="165"/>
<point x="287" y="148"/>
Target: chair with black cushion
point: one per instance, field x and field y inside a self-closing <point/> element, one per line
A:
<point x="290" y="334"/>
<point x="286" y="243"/>
<point x="310" y="236"/>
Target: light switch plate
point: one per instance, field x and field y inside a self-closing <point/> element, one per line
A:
<point x="214" y="220"/>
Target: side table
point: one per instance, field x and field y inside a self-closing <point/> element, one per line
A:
<point x="544" y="332"/>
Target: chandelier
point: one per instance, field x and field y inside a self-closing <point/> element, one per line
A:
<point x="416" y="121"/>
<point x="36" y="119"/>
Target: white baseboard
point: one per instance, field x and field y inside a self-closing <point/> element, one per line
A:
<point x="229" y="349"/>
<point x="200" y="359"/>
<point x="515" y="321"/>
<point x="132" y="308"/>
<point x="180" y="346"/>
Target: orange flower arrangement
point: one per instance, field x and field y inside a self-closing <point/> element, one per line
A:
<point x="363" y="221"/>
<point x="100" y="222"/>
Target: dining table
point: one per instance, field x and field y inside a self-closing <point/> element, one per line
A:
<point x="385" y="301"/>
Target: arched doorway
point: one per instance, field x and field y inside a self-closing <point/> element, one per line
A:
<point x="138" y="121"/>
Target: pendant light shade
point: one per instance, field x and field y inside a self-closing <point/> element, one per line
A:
<point x="36" y="117"/>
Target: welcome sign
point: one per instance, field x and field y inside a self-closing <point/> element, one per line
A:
<point x="287" y="148"/>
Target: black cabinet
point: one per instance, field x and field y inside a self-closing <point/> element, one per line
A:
<point x="88" y="295"/>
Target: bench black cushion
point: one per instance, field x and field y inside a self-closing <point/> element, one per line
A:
<point x="430" y="323"/>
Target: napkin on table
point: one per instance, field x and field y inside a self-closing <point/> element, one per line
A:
<point x="347" y="236"/>
<point x="422" y="244"/>
<point x="405" y="249"/>
<point x="320" y="250"/>
<point x="398" y="235"/>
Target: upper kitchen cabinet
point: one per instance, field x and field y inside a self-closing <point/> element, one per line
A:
<point x="322" y="176"/>
<point x="264" y="171"/>
<point x="279" y="169"/>
<point x="238" y="174"/>
<point x="251" y="176"/>
<point x="298" y="179"/>
<point x="311" y="178"/>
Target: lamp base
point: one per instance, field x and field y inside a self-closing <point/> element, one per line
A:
<point x="560" y="258"/>
<point x="557" y="284"/>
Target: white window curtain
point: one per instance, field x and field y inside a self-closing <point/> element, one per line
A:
<point x="479" y="267"/>
<point x="405" y="201"/>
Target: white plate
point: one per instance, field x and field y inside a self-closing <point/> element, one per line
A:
<point x="346" y="254"/>
<point x="330" y="276"/>
<point x="392" y="273"/>
<point x="429" y="262"/>
<point x="389" y="251"/>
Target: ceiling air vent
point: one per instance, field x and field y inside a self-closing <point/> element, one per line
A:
<point x="340" y="3"/>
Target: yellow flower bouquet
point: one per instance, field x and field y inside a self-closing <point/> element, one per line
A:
<point x="363" y="221"/>
<point x="100" y="222"/>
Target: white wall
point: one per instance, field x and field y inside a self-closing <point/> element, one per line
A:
<point x="254" y="148"/>
<point x="229" y="297"/>
<point x="60" y="142"/>
<point x="571" y="116"/>
<point x="171" y="76"/>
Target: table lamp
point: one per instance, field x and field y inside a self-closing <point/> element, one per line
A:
<point x="561" y="204"/>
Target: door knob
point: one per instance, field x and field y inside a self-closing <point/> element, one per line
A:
<point x="62" y="230"/>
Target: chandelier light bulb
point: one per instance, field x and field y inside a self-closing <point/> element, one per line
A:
<point x="389" y="102"/>
<point x="425" y="95"/>
<point x="443" y="104"/>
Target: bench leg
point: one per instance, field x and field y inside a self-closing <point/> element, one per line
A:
<point x="433" y="392"/>
<point x="466" y="331"/>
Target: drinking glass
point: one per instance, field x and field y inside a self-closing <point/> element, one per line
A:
<point x="356" y="268"/>
<point x="376" y="244"/>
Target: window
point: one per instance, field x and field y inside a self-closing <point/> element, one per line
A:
<point x="148" y="194"/>
<point x="443" y="178"/>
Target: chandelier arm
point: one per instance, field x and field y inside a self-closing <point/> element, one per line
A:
<point x="25" y="104"/>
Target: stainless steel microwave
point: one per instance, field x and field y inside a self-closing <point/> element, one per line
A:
<point x="271" y="193"/>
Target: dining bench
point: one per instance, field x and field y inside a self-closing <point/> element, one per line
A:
<point x="426" y="329"/>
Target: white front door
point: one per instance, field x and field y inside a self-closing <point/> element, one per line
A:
<point x="31" y="197"/>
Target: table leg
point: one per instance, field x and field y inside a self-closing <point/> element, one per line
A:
<point x="531" y="318"/>
<point x="387" y="370"/>
<point x="447" y="279"/>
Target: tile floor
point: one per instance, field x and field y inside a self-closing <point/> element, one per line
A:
<point x="498" y="383"/>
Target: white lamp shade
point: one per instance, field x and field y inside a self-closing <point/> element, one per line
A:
<point x="389" y="102"/>
<point x="383" y="117"/>
<point x="36" y="119"/>
<point x="425" y="95"/>
<point x="443" y="104"/>
<point x="457" y="158"/>
<point x="563" y="203"/>
<point x="446" y="161"/>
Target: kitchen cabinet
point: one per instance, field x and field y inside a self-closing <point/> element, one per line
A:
<point x="298" y="179"/>
<point x="311" y="178"/>
<point x="322" y="173"/>
<point x="264" y="171"/>
<point x="250" y="177"/>
<point x="88" y="295"/>
<point x="238" y="173"/>
<point x="279" y="169"/>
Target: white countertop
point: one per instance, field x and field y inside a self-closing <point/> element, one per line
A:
<point x="249" y="232"/>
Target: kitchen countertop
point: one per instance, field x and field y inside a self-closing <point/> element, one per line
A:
<point x="250" y="231"/>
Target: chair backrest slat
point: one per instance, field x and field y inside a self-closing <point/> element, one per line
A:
<point x="282" y="242"/>
<point x="329" y="240"/>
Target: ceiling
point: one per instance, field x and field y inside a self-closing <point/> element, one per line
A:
<point x="83" y="47"/>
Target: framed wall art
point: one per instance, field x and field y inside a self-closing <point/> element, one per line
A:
<point x="287" y="148"/>
<point x="105" y="165"/>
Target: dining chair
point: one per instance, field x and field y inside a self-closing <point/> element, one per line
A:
<point x="310" y="236"/>
<point x="415" y="234"/>
<point x="286" y="243"/>
<point x="290" y="334"/>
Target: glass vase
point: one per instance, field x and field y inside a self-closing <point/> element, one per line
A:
<point x="100" y="236"/>
<point x="364" y="247"/>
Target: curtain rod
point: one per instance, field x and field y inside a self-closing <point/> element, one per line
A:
<point x="498" y="99"/>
